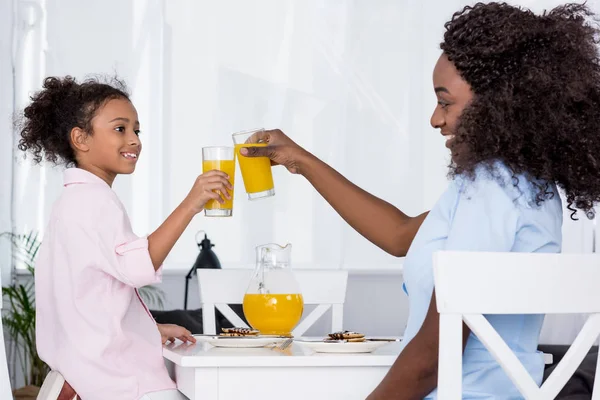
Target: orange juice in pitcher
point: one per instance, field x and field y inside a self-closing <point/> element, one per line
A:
<point x="273" y="303"/>
<point x="273" y="314"/>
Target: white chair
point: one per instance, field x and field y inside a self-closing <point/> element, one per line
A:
<point x="471" y="284"/>
<point x="5" y="391"/>
<point x="52" y="387"/>
<point x="221" y="287"/>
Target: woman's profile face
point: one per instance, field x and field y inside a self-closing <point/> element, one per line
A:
<point x="453" y="95"/>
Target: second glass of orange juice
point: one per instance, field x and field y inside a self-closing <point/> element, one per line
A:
<point x="222" y="159"/>
<point x="256" y="171"/>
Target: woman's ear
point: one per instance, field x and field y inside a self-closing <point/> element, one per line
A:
<point x="79" y="139"/>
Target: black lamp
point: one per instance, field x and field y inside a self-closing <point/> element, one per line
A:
<point x="206" y="259"/>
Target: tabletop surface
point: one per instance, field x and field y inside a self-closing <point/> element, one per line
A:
<point x="202" y="354"/>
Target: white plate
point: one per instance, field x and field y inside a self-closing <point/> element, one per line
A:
<point x="347" y="347"/>
<point x="240" y="342"/>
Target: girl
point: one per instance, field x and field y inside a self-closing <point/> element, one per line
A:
<point x="519" y="106"/>
<point x="91" y="325"/>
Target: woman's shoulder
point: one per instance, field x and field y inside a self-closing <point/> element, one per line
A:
<point x="499" y="180"/>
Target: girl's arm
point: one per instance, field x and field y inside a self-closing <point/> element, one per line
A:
<point x="162" y="240"/>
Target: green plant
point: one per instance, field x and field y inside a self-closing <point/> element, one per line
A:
<point x="152" y="296"/>
<point x="20" y="317"/>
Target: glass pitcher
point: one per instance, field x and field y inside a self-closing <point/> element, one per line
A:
<point x="273" y="303"/>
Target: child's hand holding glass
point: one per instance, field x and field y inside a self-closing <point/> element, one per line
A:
<point x="212" y="185"/>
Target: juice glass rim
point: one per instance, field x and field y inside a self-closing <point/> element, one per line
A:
<point x="218" y="153"/>
<point x="248" y="132"/>
<point x="217" y="147"/>
<point x="238" y="133"/>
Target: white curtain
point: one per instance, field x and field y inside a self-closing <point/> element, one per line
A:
<point x="23" y="193"/>
<point x="350" y="80"/>
<point x="6" y="150"/>
<point x="45" y="45"/>
<point x="345" y="79"/>
<point x="29" y="182"/>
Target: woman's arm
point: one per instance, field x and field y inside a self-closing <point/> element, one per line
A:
<point x="375" y="219"/>
<point x="414" y="373"/>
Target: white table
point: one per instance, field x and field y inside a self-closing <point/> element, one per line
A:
<point x="203" y="372"/>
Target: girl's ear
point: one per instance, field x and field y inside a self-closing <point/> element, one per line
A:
<point x="79" y="139"/>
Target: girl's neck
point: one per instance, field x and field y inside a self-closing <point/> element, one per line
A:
<point x="108" y="177"/>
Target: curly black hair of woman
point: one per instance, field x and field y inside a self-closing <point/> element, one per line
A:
<point x="536" y="96"/>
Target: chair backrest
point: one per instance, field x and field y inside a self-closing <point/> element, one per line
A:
<point x="471" y="284"/>
<point x="221" y="287"/>
<point x="5" y="392"/>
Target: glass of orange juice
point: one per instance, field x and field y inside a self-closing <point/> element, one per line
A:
<point x="222" y="159"/>
<point x="256" y="171"/>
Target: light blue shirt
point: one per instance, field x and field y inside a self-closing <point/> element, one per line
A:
<point x="488" y="213"/>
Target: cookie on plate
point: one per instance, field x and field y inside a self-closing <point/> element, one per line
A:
<point x="239" y="332"/>
<point x="347" y="335"/>
<point x="353" y="340"/>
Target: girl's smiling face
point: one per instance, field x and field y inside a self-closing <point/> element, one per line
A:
<point x="113" y="147"/>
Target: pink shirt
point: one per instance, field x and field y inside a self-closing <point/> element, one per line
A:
<point x="91" y="324"/>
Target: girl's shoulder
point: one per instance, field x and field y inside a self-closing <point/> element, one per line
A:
<point x="88" y="203"/>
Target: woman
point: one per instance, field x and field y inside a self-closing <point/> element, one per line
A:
<point x="519" y="103"/>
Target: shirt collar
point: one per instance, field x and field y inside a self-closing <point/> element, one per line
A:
<point x="78" y="175"/>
